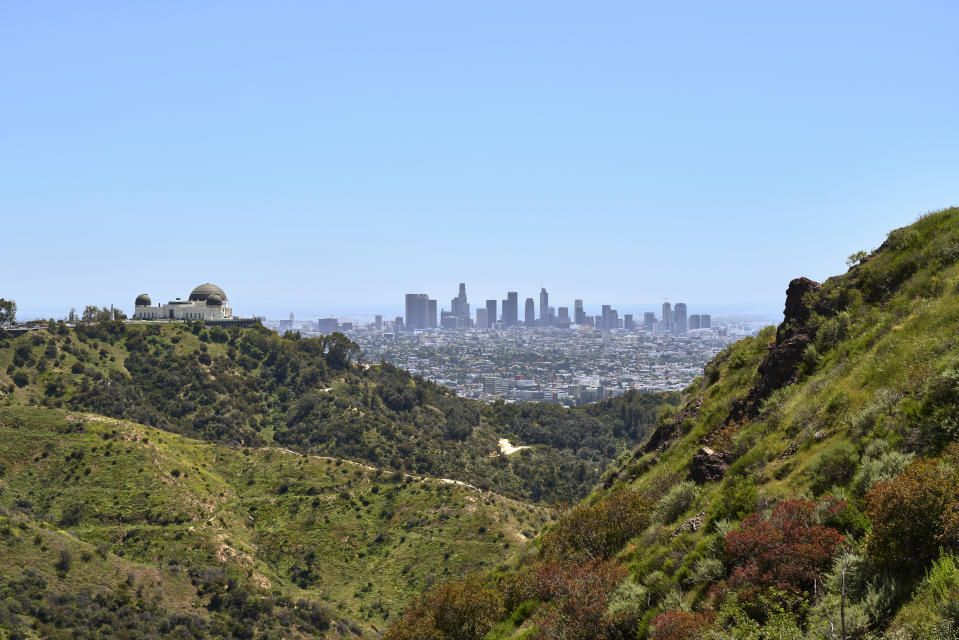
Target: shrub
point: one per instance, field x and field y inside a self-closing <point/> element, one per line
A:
<point x="915" y="513"/>
<point x="20" y="378"/>
<point x="737" y="499"/>
<point x="598" y="531"/>
<point x="878" y="465"/>
<point x="680" y="625"/>
<point x="64" y="563"/>
<point x="707" y="570"/>
<point x="834" y="467"/>
<point x="788" y="552"/>
<point x="676" y="501"/>
<point x="462" y="610"/>
<point x="577" y="595"/>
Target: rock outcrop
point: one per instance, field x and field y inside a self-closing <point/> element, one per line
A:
<point x="708" y="466"/>
<point x="781" y="365"/>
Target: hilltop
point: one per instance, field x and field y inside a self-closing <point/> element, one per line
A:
<point x="805" y="486"/>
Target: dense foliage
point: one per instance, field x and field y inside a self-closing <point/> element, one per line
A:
<point x="250" y="387"/>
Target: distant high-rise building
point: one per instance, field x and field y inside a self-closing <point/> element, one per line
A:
<point x="628" y="322"/>
<point x="326" y="326"/>
<point x="695" y="321"/>
<point x="543" y="306"/>
<point x="482" y="318"/>
<point x="417" y="306"/>
<point x="649" y="320"/>
<point x="579" y="315"/>
<point x="431" y="314"/>
<point x="667" y="317"/>
<point x="378" y="322"/>
<point x="459" y="306"/>
<point x="562" y="318"/>
<point x="531" y="312"/>
<point x="705" y="321"/>
<point x="679" y="318"/>
<point x="398" y="324"/>
<point x="491" y="312"/>
<point x="494" y="385"/>
<point x="603" y="320"/>
<point x="511" y="309"/>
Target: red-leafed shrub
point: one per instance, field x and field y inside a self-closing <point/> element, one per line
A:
<point x="576" y="597"/>
<point x="680" y="625"/>
<point x="789" y="552"/>
<point x="598" y="531"/>
<point x="915" y="513"/>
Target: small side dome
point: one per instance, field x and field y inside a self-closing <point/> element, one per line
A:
<point x="143" y="300"/>
<point x="214" y="300"/>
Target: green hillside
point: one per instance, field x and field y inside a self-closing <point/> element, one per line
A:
<point x="251" y="387"/>
<point x="807" y="485"/>
<point x="177" y="480"/>
<point x="235" y="539"/>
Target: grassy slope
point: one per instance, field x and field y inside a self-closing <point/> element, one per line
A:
<point x="897" y="316"/>
<point x="338" y="532"/>
<point x="884" y="334"/>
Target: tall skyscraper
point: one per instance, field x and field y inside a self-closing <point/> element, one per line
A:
<point x="628" y="322"/>
<point x="531" y="312"/>
<point x="543" y="307"/>
<point x="694" y="321"/>
<point x="511" y="309"/>
<point x="378" y="322"/>
<point x="603" y="322"/>
<point x="705" y="321"/>
<point x="579" y="315"/>
<point x="562" y="317"/>
<point x="459" y="306"/>
<point x="431" y="314"/>
<point x="679" y="318"/>
<point x="491" y="312"/>
<point x="482" y="318"/>
<point x="667" y="317"/>
<point x="649" y="320"/>
<point x="416" y="310"/>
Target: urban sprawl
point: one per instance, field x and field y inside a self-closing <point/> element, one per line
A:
<point x="549" y="356"/>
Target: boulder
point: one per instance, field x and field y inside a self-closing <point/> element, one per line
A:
<point x="708" y="466"/>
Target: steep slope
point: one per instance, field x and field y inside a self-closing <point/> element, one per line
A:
<point x="226" y="541"/>
<point x="251" y="387"/>
<point x="806" y="486"/>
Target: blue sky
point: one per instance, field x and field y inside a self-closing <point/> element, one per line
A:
<point x="323" y="157"/>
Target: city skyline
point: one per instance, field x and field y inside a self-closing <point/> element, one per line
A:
<point x="422" y="313"/>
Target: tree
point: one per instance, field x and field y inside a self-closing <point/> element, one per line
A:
<point x="8" y="311"/>
<point x="856" y="258"/>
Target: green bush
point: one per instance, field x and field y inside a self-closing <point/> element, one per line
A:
<point x="834" y="467"/>
<point x="676" y="501"/>
<point x="736" y="500"/>
<point x="878" y="465"/>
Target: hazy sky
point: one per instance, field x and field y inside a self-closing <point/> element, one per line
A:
<point x="323" y="157"/>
